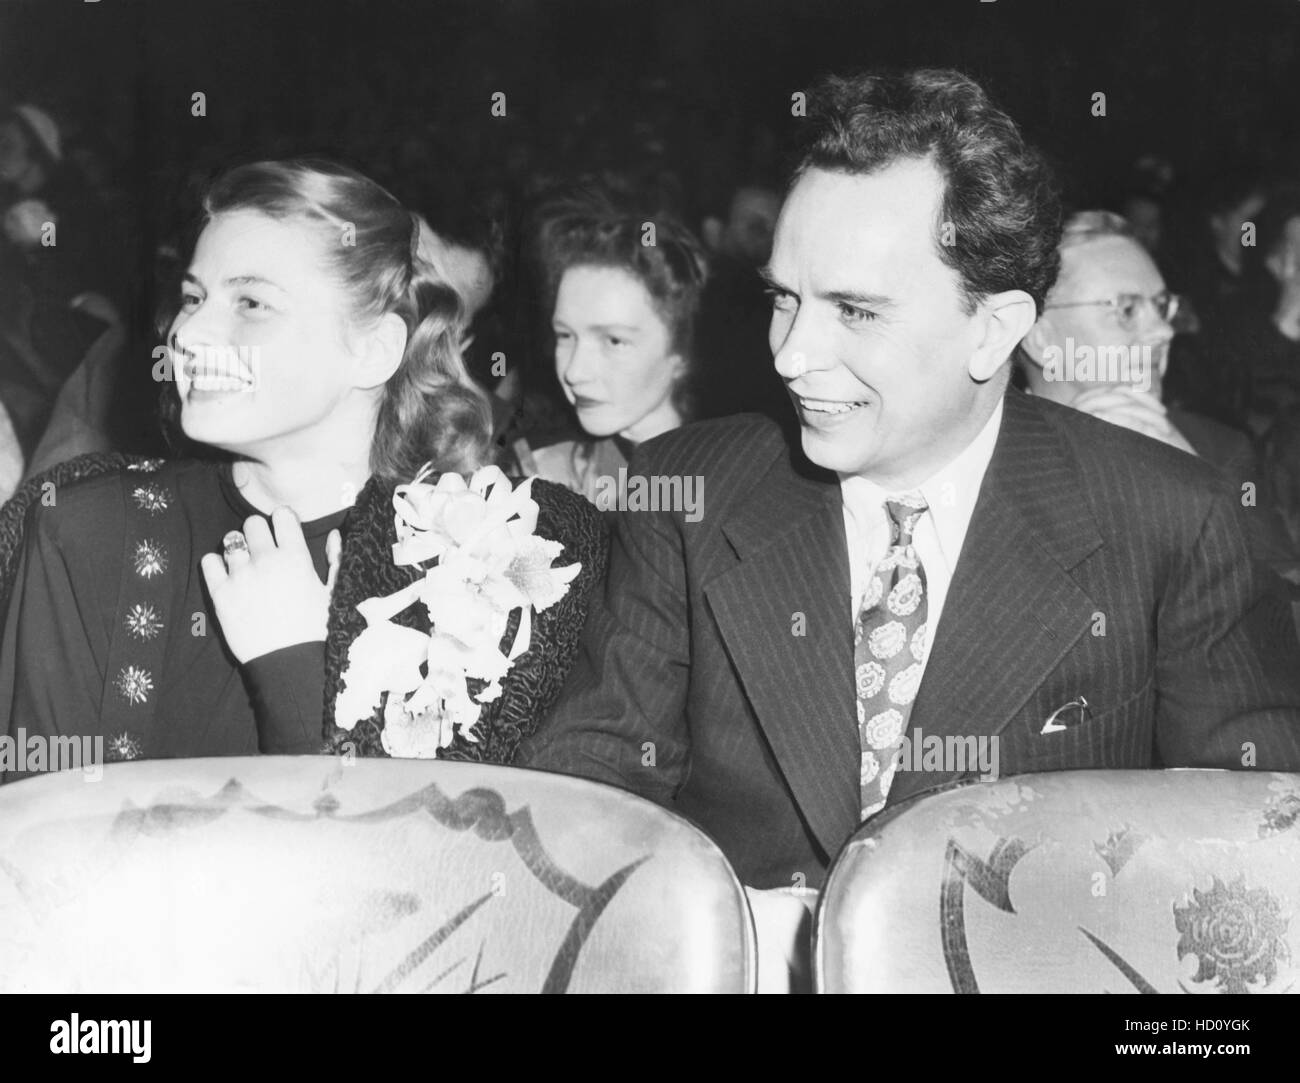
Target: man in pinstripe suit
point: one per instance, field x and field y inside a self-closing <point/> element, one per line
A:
<point x="938" y="556"/>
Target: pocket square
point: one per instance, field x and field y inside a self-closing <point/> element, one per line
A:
<point x="1067" y="715"/>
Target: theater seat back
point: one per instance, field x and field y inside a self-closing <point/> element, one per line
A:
<point x="315" y="874"/>
<point x="1082" y="881"/>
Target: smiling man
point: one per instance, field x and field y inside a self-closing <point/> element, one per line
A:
<point x="937" y="561"/>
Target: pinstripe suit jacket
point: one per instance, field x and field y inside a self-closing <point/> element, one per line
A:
<point x="1097" y="563"/>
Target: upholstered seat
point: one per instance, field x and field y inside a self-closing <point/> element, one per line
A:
<point x="1083" y="881"/>
<point x="323" y="874"/>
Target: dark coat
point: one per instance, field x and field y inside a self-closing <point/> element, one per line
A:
<point x="366" y="570"/>
<point x="716" y="668"/>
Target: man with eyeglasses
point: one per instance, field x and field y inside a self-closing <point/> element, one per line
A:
<point x="1101" y="345"/>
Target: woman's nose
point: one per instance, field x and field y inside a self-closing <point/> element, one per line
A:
<point x="579" y="368"/>
<point x="194" y="331"/>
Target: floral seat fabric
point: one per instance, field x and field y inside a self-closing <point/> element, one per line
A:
<point x="322" y="874"/>
<point x="1082" y="881"/>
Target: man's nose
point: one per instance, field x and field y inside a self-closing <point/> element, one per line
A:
<point x="1156" y="328"/>
<point x="802" y="350"/>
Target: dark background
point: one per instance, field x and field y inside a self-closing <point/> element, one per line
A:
<point x="692" y="97"/>
<point x="1191" y="81"/>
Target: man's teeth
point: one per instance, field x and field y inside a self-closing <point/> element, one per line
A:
<point x="825" y="406"/>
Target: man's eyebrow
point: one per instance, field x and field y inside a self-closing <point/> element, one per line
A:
<point x="844" y="297"/>
<point x="854" y="297"/>
<point x="598" y="328"/>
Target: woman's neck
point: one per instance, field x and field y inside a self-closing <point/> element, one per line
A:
<point x="661" y="419"/>
<point x="313" y="487"/>
<point x="316" y="471"/>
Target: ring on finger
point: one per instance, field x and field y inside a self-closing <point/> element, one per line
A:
<point x="234" y="543"/>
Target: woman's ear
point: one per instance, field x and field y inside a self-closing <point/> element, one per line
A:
<point x="381" y="351"/>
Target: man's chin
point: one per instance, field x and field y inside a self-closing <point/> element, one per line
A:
<point x="832" y="452"/>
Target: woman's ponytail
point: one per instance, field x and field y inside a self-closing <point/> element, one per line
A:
<point x="432" y="411"/>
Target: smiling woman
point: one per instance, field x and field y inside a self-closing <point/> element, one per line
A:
<point x="207" y="605"/>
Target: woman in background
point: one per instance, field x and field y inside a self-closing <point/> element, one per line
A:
<point x="625" y="293"/>
<point x="206" y="605"/>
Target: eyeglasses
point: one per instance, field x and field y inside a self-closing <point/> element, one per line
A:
<point x="1128" y="307"/>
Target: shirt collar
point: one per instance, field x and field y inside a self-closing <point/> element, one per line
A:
<point x="951" y="491"/>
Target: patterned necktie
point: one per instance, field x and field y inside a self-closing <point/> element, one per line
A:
<point x="888" y="646"/>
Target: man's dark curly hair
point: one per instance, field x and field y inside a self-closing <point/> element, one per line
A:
<point x="999" y="196"/>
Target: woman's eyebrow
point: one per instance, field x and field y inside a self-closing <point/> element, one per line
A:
<point x="252" y="280"/>
<point x="236" y="280"/>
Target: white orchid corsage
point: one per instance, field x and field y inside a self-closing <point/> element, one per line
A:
<point x="487" y="562"/>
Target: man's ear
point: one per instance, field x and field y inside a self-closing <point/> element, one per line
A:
<point x="1036" y="341"/>
<point x="1008" y="317"/>
<point x="380" y="351"/>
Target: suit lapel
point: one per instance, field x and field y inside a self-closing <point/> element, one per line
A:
<point x="1013" y="610"/>
<point x="783" y="613"/>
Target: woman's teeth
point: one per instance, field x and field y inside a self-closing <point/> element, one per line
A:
<point x="219" y="379"/>
<point x="219" y="383"/>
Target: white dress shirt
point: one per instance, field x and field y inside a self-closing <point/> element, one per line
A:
<point x="781" y="915"/>
<point x="951" y="493"/>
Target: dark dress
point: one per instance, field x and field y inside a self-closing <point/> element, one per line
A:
<point x="109" y="630"/>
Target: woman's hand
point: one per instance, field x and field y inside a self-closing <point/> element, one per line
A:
<point x="265" y="590"/>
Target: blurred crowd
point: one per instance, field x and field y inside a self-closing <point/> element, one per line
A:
<point x="611" y="286"/>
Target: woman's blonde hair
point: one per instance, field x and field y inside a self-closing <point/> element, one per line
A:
<point x="431" y="411"/>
